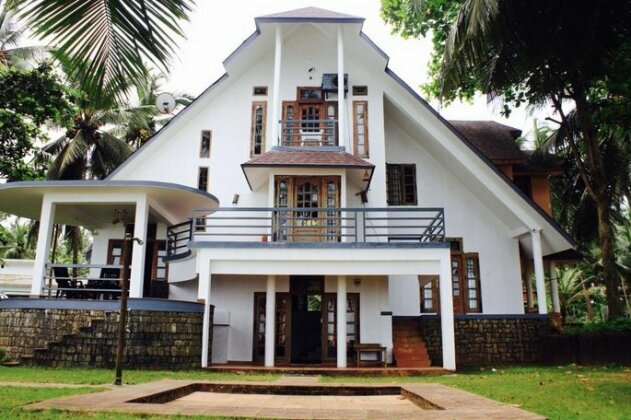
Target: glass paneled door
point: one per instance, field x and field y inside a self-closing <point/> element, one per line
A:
<point x="313" y="197"/>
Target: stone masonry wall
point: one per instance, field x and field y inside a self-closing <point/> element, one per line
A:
<point x="489" y="340"/>
<point x="156" y="340"/>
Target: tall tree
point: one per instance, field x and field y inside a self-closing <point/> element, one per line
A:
<point x="107" y="41"/>
<point x="562" y="52"/>
<point x="12" y="52"/>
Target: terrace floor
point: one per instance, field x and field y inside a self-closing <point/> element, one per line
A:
<point x="290" y="397"/>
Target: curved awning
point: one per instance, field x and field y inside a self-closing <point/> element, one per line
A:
<point x="169" y="202"/>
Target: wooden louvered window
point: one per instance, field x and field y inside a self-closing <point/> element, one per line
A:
<point x="401" y="184"/>
<point x="257" y="136"/>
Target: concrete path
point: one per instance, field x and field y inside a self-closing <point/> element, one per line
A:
<point x="440" y="402"/>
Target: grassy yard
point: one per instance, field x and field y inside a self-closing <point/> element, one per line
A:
<point x="566" y="392"/>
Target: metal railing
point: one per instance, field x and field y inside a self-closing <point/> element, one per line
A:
<point x="82" y="281"/>
<point x="178" y="237"/>
<point x="354" y="225"/>
<point x="308" y="133"/>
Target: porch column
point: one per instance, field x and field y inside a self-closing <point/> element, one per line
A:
<point x="530" y="295"/>
<point x="447" y="313"/>
<point x="554" y="288"/>
<point x="341" y="109"/>
<point x="270" y="321"/>
<point x="341" y="321"/>
<point x="205" y="285"/>
<point x="137" y="277"/>
<point x="276" y="88"/>
<point x="44" y="238"/>
<point x="537" y="259"/>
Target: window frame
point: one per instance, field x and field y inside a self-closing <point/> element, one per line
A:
<point x="262" y="129"/>
<point x="204" y="153"/>
<point x="199" y="178"/>
<point x="366" y="142"/>
<point x="435" y="297"/>
<point x="401" y="185"/>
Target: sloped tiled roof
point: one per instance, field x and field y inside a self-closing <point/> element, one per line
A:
<point x="496" y="141"/>
<point x="315" y="158"/>
<point x="309" y="13"/>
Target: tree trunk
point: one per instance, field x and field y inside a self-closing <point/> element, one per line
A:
<point x="610" y="272"/>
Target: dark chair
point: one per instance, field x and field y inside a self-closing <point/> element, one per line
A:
<point x="66" y="286"/>
<point x="114" y="284"/>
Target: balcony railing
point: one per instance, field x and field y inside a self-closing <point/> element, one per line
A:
<point x="315" y="225"/>
<point x="308" y="133"/>
<point x="82" y="281"/>
<point x="178" y="237"/>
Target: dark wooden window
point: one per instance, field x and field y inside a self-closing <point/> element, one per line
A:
<point x="202" y="178"/>
<point x="257" y="137"/>
<point x="360" y="128"/>
<point x="309" y="94"/>
<point x="465" y="278"/>
<point x="430" y="295"/>
<point x="360" y="90"/>
<point x="401" y="184"/>
<point x="472" y="282"/>
<point x="205" y="144"/>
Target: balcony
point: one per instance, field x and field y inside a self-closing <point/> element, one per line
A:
<point x="324" y="226"/>
<point x="308" y="133"/>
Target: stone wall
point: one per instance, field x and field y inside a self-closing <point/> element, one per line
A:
<point x="483" y="340"/>
<point x="65" y="338"/>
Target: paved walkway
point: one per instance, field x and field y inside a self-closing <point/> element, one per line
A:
<point x="440" y="402"/>
<point x="52" y="385"/>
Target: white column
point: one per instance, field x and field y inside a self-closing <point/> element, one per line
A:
<point x="554" y="288"/>
<point x="537" y="259"/>
<point x="270" y="321"/>
<point x="137" y="277"/>
<point x="341" y="321"/>
<point x="341" y="108"/>
<point x="278" y="50"/>
<point x="44" y="238"/>
<point x="447" y="313"/>
<point x="204" y="273"/>
<point x="530" y="295"/>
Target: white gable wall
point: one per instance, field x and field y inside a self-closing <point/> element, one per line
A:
<point x="465" y="216"/>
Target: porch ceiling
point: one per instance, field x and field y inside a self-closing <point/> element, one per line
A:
<point x="168" y="202"/>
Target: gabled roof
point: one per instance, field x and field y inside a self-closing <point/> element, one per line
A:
<point x="309" y="14"/>
<point x="496" y="141"/>
<point x="314" y="158"/>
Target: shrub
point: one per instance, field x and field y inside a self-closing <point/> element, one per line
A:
<point x="614" y="325"/>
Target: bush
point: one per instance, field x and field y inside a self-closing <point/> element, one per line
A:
<point x="614" y="325"/>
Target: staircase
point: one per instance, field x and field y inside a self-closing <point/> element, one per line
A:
<point x="409" y="347"/>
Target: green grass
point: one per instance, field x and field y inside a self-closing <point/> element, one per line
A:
<point x="106" y="376"/>
<point x="565" y="392"/>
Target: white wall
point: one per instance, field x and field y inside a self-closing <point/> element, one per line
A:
<point x="465" y="216"/>
<point x="16" y="276"/>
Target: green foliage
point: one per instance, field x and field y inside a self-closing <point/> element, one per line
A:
<point x="104" y="42"/>
<point x="28" y="99"/>
<point x="16" y="240"/>
<point x="616" y="325"/>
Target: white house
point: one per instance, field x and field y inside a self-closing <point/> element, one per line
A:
<point x="340" y="191"/>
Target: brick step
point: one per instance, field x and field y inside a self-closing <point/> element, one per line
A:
<point x="403" y="340"/>
<point x="410" y="350"/>
<point x="414" y="364"/>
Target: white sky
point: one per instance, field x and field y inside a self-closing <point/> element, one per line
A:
<point x="216" y="29"/>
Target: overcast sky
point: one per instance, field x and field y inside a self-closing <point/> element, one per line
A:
<point x="217" y="29"/>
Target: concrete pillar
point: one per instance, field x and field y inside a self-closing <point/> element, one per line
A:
<point x="537" y="259"/>
<point x="278" y="51"/>
<point x="554" y="288"/>
<point x="341" y="107"/>
<point x="42" y="252"/>
<point x="205" y="273"/>
<point x="447" y="313"/>
<point x="137" y="277"/>
<point x="530" y="294"/>
<point x="270" y="321"/>
<point x="341" y="321"/>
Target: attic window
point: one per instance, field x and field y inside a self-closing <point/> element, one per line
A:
<point x="260" y="91"/>
<point x="360" y="90"/>
<point x="204" y="148"/>
<point x="309" y="94"/>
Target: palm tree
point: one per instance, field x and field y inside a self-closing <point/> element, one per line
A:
<point x="562" y="52"/>
<point x="12" y="53"/>
<point x="107" y="41"/>
<point x="15" y="240"/>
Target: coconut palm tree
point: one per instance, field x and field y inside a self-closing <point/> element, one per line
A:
<point x="12" y="52"/>
<point x="15" y="240"/>
<point x="107" y="41"/>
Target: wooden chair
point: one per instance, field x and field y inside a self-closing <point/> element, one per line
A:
<point x="114" y="284"/>
<point x="66" y="286"/>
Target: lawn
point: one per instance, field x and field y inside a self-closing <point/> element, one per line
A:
<point x="556" y="392"/>
<point x="564" y="392"/>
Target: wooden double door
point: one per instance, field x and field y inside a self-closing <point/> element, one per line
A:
<point x="305" y="320"/>
<point x="317" y="200"/>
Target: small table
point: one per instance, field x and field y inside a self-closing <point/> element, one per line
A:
<point x="371" y="348"/>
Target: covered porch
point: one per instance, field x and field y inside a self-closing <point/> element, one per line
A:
<point x="109" y="210"/>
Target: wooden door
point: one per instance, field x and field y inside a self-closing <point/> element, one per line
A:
<point x="282" y="339"/>
<point x="329" y="326"/>
<point x="457" y="288"/>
